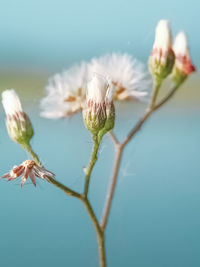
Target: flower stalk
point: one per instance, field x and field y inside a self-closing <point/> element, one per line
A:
<point x="119" y="149"/>
<point x="92" y="162"/>
<point x="53" y="181"/>
<point x="99" y="231"/>
<point x="155" y="94"/>
<point x="30" y="150"/>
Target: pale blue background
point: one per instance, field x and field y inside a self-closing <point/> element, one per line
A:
<point x="51" y="34"/>
<point x="155" y="220"/>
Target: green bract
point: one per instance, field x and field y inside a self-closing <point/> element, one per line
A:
<point x="100" y="118"/>
<point x="160" y="69"/>
<point x="20" y="128"/>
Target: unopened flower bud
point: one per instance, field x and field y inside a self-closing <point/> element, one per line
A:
<point x="99" y="112"/>
<point x="161" y="60"/>
<point x="18" y="123"/>
<point x="183" y="65"/>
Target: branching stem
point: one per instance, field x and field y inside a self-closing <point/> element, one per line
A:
<point x="53" y="181"/>
<point x="119" y="148"/>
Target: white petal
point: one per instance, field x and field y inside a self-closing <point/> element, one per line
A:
<point x="97" y="88"/>
<point x="180" y="44"/>
<point x="11" y="102"/>
<point x="163" y="36"/>
<point x="110" y="90"/>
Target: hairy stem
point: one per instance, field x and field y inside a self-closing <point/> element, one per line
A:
<point x="92" y="162"/>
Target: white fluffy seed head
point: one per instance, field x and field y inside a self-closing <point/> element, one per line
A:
<point x="163" y="36"/>
<point x="65" y="93"/>
<point x="128" y="75"/>
<point x="11" y="102"/>
<point x="180" y="46"/>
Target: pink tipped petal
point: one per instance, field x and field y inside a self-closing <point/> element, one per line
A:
<point x="7" y="175"/>
<point x="23" y="180"/>
<point x="26" y="173"/>
<point x="189" y="67"/>
<point x="16" y="169"/>
<point x="11" y="178"/>
<point x="32" y="177"/>
<point x="20" y="171"/>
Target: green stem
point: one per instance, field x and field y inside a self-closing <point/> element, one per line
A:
<point x="167" y="97"/>
<point x="102" y="250"/>
<point x="29" y="149"/>
<point x="99" y="231"/>
<point x="64" y="188"/>
<point x="155" y="94"/>
<point x="53" y="181"/>
<point x="92" y="162"/>
<point x="83" y="198"/>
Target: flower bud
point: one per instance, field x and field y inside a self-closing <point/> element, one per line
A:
<point x="99" y="114"/>
<point x="18" y="123"/>
<point x="183" y="65"/>
<point x="161" y="60"/>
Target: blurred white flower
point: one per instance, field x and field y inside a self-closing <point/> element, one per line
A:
<point x="65" y="93"/>
<point x="128" y="76"/>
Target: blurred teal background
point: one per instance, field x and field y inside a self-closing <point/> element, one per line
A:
<point x="155" y="219"/>
<point x="51" y="34"/>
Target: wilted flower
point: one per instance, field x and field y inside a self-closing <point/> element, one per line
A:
<point x="161" y="60"/>
<point x="128" y="76"/>
<point x="183" y="65"/>
<point x="18" y="123"/>
<point x="99" y="112"/>
<point x="30" y="169"/>
<point x="65" y="93"/>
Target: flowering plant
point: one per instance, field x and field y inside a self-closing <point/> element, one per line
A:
<point x="92" y="88"/>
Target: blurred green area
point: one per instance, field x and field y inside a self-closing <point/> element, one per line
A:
<point x="31" y="88"/>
